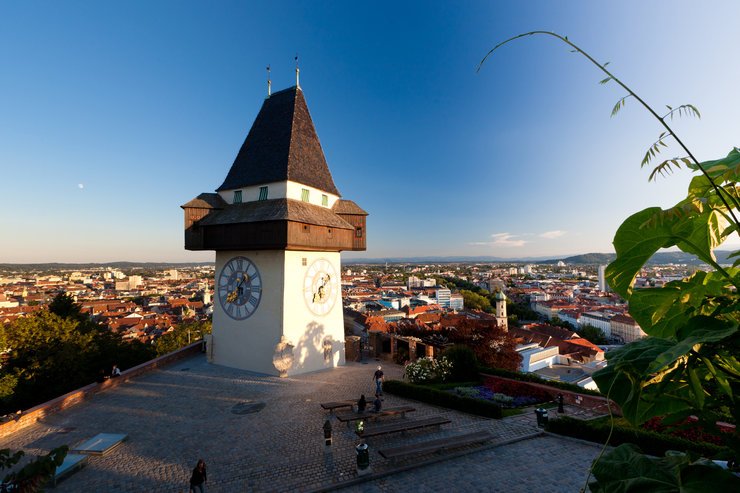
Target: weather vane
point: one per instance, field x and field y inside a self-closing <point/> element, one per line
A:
<point x="297" y="72"/>
<point x="269" y="82"/>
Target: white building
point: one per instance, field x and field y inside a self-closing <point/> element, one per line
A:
<point x="456" y="301"/>
<point x="443" y="297"/>
<point x="415" y="282"/>
<point x="535" y="357"/>
<point x="603" y="287"/>
<point x="599" y="320"/>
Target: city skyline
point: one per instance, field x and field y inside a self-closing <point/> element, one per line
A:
<point x="116" y="115"/>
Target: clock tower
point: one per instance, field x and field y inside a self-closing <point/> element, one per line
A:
<point x="277" y="225"/>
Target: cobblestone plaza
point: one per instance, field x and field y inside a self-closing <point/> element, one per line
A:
<point x="260" y="433"/>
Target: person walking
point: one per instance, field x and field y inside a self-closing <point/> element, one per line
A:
<point x="199" y="478"/>
<point x="378" y="377"/>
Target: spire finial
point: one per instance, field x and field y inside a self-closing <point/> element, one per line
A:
<point x="269" y="83"/>
<point x="297" y="73"/>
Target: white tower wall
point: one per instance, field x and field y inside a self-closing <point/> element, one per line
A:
<point x="250" y="344"/>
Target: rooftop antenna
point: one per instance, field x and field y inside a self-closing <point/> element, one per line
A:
<point x="269" y="83"/>
<point x="297" y="73"/>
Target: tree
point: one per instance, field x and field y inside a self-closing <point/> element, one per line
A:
<point x="66" y="307"/>
<point x="49" y="355"/>
<point x="475" y="301"/>
<point x="181" y="336"/>
<point x="688" y="364"/>
<point x="464" y="363"/>
<point x="492" y="345"/>
<point x="32" y="476"/>
<point x="592" y="334"/>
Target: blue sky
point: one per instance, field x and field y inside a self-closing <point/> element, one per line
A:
<point x="112" y="114"/>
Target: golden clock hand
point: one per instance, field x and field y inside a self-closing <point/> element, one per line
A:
<point x="234" y="295"/>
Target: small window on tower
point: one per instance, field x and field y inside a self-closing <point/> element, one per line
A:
<point x="263" y="193"/>
<point x="358" y="232"/>
<point x="324" y="200"/>
<point x="304" y="194"/>
<point x="304" y="261"/>
<point x="237" y="196"/>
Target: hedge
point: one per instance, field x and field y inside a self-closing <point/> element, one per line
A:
<point x="530" y="377"/>
<point x="444" y="399"/>
<point x="650" y="442"/>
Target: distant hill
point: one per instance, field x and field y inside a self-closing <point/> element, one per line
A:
<point x="660" y="258"/>
<point x="114" y="265"/>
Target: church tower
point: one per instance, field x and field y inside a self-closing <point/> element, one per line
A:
<point x="501" y="318"/>
<point x="277" y="224"/>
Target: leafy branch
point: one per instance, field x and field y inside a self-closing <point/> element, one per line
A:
<point x="611" y="77"/>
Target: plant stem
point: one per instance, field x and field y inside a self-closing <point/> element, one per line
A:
<point x="632" y="93"/>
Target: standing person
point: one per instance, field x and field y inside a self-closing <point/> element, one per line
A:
<point x="199" y="478"/>
<point x="378" y="377"/>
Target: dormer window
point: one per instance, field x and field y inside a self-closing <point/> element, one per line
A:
<point x="237" y="196"/>
<point x="263" y="193"/>
<point x="324" y="200"/>
<point x="304" y="194"/>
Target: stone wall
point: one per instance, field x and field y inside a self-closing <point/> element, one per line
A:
<point x="36" y="413"/>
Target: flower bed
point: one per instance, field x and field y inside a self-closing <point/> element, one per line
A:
<point x="690" y="429"/>
<point x="507" y="395"/>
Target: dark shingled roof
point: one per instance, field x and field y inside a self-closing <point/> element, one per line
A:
<point x="206" y="201"/>
<point x="281" y="145"/>
<point x="276" y="210"/>
<point x="342" y="206"/>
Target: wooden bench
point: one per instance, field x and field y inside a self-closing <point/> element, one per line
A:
<point x="401" y="426"/>
<point x="331" y="406"/>
<point x="71" y="463"/>
<point x="433" y="446"/>
<point x="348" y="417"/>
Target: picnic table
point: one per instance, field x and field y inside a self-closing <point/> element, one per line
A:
<point x="402" y="426"/>
<point x="331" y="406"/>
<point x="348" y="417"/>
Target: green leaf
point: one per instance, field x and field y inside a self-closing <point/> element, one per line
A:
<point x="661" y="312"/>
<point x="626" y="470"/>
<point x="699" y="330"/>
<point x="649" y="230"/>
<point x="619" y="105"/>
<point x="624" y="377"/>
<point x="721" y="170"/>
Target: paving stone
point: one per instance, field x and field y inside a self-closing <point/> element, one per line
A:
<point x="173" y="418"/>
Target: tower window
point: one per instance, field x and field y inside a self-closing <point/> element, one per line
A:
<point x="358" y="232"/>
<point x="304" y="194"/>
<point x="324" y="200"/>
<point x="263" y="193"/>
<point x="237" y="196"/>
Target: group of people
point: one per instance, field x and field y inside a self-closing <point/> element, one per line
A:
<point x="198" y="478"/>
<point x="114" y="373"/>
<point x="378" y="378"/>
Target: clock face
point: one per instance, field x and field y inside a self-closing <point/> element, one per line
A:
<point x="321" y="287"/>
<point x="239" y="288"/>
